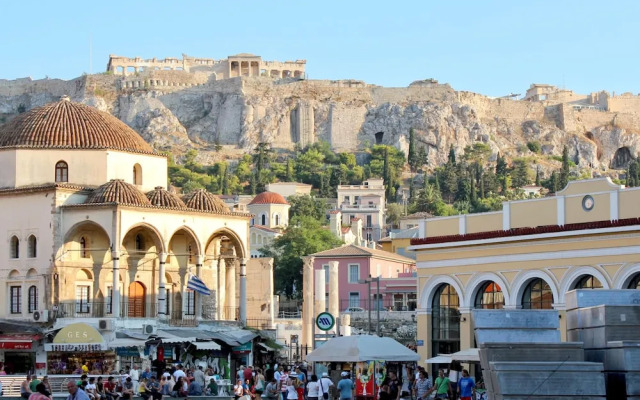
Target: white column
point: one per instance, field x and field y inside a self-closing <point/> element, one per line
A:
<point x="334" y="290"/>
<point x="198" y="296"/>
<point x="613" y="205"/>
<point x="243" y="291"/>
<point x="462" y="224"/>
<point x="115" y="295"/>
<point x="506" y="216"/>
<point x="162" y="290"/>
<point x="560" y="210"/>
<point x="222" y="273"/>
<point x="307" y="301"/>
<point x="320" y="290"/>
<point x="231" y="288"/>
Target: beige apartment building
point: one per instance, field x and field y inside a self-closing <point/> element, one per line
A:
<point x="367" y="202"/>
<point x="526" y="256"/>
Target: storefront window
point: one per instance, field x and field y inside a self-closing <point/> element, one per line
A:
<point x="489" y="296"/>
<point x="66" y="363"/>
<point x="537" y="295"/>
<point x="33" y="299"/>
<point x="82" y="299"/>
<point x="16" y="299"/>
<point x="445" y="316"/>
<point x="190" y="299"/>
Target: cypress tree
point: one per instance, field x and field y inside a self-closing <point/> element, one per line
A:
<point x="412" y="156"/>
<point x="452" y="156"/>
<point x="564" y="171"/>
<point x="538" y="176"/>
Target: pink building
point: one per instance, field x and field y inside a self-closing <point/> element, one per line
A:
<point x="398" y="289"/>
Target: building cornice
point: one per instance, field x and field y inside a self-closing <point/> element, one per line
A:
<point x="181" y="210"/>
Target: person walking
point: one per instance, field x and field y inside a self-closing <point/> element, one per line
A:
<point x="441" y="386"/>
<point x="313" y="389"/>
<point x="345" y="387"/>
<point x="135" y="378"/>
<point x="259" y="384"/>
<point x="422" y="386"/>
<point x="466" y="386"/>
<point x="325" y="385"/>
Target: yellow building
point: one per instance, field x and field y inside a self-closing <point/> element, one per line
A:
<point x="526" y="256"/>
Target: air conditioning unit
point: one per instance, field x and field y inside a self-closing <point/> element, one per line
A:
<point x="40" y="316"/>
<point x="105" y="325"/>
<point x="149" y="329"/>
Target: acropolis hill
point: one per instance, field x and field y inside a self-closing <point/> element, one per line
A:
<point x="242" y="100"/>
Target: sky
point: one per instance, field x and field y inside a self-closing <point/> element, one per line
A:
<point x="491" y="47"/>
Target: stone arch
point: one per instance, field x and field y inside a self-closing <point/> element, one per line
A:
<point x="97" y="240"/>
<point x="522" y="280"/>
<point x="14" y="274"/>
<point x="84" y="274"/>
<point x="621" y="158"/>
<point x="430" y="287"/>
<point x="151" y="231"/>
<point x="32" y="273"/>
<point x="477" y="280"/>
<point x="192" y="233"/>
<point x="185" y="253"/>
<point x="235" y="241"/>
<point x="570" y="278"/>
<point x="625" y="276"/>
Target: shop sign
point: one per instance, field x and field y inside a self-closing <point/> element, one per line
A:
<point x="78" y="333"/>
<point x="242" y="349"/>
<point x="15" y="345"/>
<point x="127" y="352"/>
<point x="75" y="347"/>
<point x="419" y="342"/>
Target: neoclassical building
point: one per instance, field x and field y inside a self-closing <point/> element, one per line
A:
<point x="91" y="233"/>
<point x="528" y="255"/>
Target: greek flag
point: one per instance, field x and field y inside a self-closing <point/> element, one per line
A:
<point x="197" y="285"/>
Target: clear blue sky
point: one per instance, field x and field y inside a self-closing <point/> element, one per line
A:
<point x="490" y="47"/>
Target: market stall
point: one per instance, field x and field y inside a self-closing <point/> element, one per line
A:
<point x="76" y="345"/>
<point x="366" y="357"/>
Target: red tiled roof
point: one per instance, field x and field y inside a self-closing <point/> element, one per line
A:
<point x="203" y="200"/>
<point x="268" y="198"/>
<point x="265" y="228"/>
<point x="351" y="250"/>
<point x="118" y="191"/>
<point x="68" y="125"/>
<point x="526" y="231"/>
<point x="163" y="198"/>
<point x="335" y="212"/>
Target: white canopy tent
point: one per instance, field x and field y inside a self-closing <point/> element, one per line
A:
<point x="439" y="359"/>
<point x="471" y="354"/>
<point x="362" y="348"/>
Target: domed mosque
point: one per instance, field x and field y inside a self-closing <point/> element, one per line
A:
<point x="93" y="234"/>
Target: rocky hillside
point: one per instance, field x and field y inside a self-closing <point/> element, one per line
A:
<point x="223" y="119"/>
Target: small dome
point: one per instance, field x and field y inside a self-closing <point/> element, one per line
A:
<point x="205" y="201"/>
<point x="68" y="125"/>
<point x="163" y="198"/>
<point x="118" y="191"/>
<point x="268" y="198"/>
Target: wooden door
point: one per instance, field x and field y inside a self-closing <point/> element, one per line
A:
<point x="136" y="300"/>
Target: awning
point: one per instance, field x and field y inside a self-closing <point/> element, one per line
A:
<point x="126" y="342"/>
<point x="125" y="333"/>
<point x="440" y="359"/>
<point x="468" y="355"/>
<point x="207" y="346"/>
<point x="264" y="346"/>
<point x="18" y="341"/>
<point x="235" y="337"/>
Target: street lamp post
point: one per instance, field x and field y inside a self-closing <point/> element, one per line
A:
<point x="368" y="282"/>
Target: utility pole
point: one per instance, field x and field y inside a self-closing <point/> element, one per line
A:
<point x="377" y="302"/>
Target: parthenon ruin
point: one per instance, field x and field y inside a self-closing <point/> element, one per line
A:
<point x="242" y="64"/>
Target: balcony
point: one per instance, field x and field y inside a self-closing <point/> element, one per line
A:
<point x="361" y="207"/>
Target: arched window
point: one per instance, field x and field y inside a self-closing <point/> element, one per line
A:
<point x="588" y="282"/>
<point x="537" y="295"/>
<point x="62" y="171"/>
<point x="277" y="219"/>
<point x="635" y="282"/>
<point x="14" y="251"/>
<point x="445" y="319"/>
<point x="33" y="299"/>
<point x="137" y="174"/>
<point x="139" y="242"/>
<point x="489" y="296"/>
<point x="84" y="251"/>
<point x="32" y="247"/>
<point x="264" y="220"/>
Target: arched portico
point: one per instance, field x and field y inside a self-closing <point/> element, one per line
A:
<point x="524" y="278"/>
<point x="626" y="275"/>
<point x="477" y="281"/>
<point x="429" y="288"/>
<point x="574" y="274"/>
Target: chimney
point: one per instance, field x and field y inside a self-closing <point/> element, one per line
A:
<point x="356" y="228"/>
<point x="335" y="223"/>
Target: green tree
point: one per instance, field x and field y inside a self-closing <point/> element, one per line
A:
<point x="412" y="156"/>
<point x="304" y="236"/>
<point x="305" y="205"/>
<point x="395" y="211"/>
<point x="519" y="173"/>
<point x="501" y="173"/>
<point x="309" y="166"/>
<point x="422" y="157"/>
<point x="290" y="177"/>
<point x="538" y="176"/>
<point x="452" y="155"/>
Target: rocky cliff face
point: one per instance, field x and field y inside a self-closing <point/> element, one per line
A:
<point x="238" y="113"/>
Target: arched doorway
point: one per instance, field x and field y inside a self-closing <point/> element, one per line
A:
<point x="537" y="295"/>
<point x="137" y="295"/>
<point x="445" y="318"/>
<point x="489" y="296"/>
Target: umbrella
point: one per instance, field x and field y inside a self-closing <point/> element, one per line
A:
<point x="439" y="359"/>
<point x="362" y="348"/>
<point x="468" y="355"/>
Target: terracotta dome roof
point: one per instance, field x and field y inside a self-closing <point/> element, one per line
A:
<point x="67" y="125"/>
<point x="205" y="201"/>
<point x="118" y="191"/>
<point x="268" y="198"/>
<point x="163" y="198"/>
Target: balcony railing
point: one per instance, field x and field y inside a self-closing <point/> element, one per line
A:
<point x="385" y="305"/>
<point x="347" y="206"/>
<point x="142" y="309"/>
